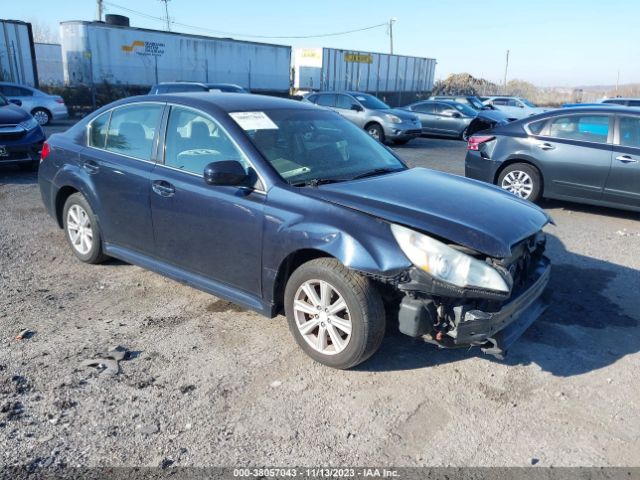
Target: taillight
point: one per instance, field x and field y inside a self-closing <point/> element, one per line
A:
<point x="477" y="140"/>
<point x="45" y="152"/>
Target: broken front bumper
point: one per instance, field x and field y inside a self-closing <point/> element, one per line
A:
<point x="493" y="331"/>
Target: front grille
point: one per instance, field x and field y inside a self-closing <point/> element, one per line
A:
<point x="523" y="262"/>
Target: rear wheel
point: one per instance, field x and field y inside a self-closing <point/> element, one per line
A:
<point x="376" y="132"/>
<point x="335" y="315"/>
<point x="83" y="232"/>
<point x="521" y="179"/>
<point x="42" y="116"/>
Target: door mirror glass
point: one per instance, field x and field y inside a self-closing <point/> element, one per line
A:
<point x="226" y="172"/>
<point x="16" y="101"/>
<point x="356" y="107"/>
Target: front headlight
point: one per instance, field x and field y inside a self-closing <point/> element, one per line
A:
<point x="446" y="263"/>
<point x="393" y="118"/>
<point x="29" y="124"/>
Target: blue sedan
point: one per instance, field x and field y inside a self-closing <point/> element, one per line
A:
<point x="21" y="137"/>
<point x="283" y="207"/>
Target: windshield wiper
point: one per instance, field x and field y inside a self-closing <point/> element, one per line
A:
<point x="377" y="171"/>
<point x="314" y="182"/>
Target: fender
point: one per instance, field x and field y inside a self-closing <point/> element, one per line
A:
<point x="71" y="175"/>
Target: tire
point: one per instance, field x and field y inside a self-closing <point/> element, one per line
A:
<point x="78" y="217"/>
<point x="521" y="179"/>
<point x="363" y="313"/>
<point x="42" y="116"/>
<point x="376" y="131"/>
<point x="29" y="167"/>
<point x="464" y="136"/>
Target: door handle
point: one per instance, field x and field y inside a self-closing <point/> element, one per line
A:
<point x="545" y="146"/>
<point x="162" y="188"/>
<point x="91" y="167"/>
<point x="626" y="159"/>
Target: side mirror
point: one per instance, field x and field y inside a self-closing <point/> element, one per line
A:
<point x="521" y="106"/>
<point x="356" y="107"/>
<point x="227" y="172"/>
<point x="16" y="101"/>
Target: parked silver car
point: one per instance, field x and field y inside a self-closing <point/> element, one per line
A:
<point x="373" y="115"/>
<point x="443" y="117"/>
<point x="41" y="105"/>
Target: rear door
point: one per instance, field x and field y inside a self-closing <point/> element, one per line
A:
<point x="574" y="152"/>
<point x="623" y="183"/>
<point x="118" y="161"/>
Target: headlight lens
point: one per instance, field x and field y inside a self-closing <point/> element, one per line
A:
<point x="393" y="118"/>
<point x="29" y="124"/>
<point x="446" y="263"/>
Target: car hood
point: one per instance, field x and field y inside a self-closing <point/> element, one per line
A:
<point x="12" y="114"/>
<point x="493" y="115"/>
<point x="403" y="114"/>
<point x="463" y="211"/>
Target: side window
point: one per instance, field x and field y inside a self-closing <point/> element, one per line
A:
<point x="536" y="127"/>
<point x="312" y="98"/>
<point x="98" y="130"/>
<point x="616" y="102"/>
<point x="327" y="100"/>
<point x="634" y="103"/>
<point x="440" y="108"/>
<point x="514" y="103"/>
<point x="630" y="131"/>
<point x="424" y="108"/>
<point x="587" y="128"/>
<point x="24" y="92"/>
<point x="500" y="101"/>
<point x="132" y="129"/>
<point x="194" y="140"/>
<point x="344" y="102"/>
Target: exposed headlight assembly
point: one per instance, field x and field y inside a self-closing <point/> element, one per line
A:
<point x="29" y="124"/>
<point x="445" y="263"/>
<point x="393" y="118"/>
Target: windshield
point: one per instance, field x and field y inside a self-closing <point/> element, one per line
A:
<point x="369" y="101"/>
<point x="527" y="103"/>
<point x="314" y="146"/>
<point x="477" y="104"/>
<point x="465" y="110"/>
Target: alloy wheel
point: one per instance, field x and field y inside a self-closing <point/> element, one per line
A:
<point x="41" y="117"/>
<point x="322" y="317"/>
<point x="79" y="229"/>
<point x="519" y="183"/>
<point x="374" y="133"/>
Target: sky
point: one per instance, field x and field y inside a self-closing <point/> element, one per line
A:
<point x="551" y="42"/>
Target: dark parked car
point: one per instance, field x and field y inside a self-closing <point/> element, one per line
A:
<point x="226" y="87"/>
<point x="177" y="87"/>
<point x="453" y="119"/>
<point x="371" y="114"/>
<point x="625" y="101"/>
<point x="278" y="205"/>
<point x="582" y="154"/>
<point x="21" y="136"/>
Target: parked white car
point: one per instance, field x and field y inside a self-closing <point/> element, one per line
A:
<point x="41" y="105"/>
<point x="514" y="107"/>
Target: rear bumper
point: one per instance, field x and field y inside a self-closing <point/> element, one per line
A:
<point x="479" y="168"/>
<point x="24" y="150"/>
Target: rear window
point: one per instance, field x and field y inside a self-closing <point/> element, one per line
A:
<point x="536" y="127"/>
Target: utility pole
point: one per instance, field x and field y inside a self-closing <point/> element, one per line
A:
<point x="506" y="67"/>
<point x="166" y="13"/>
<point x="391" y="22"/>
<point x="617" y="82"/>
<point x="99" y="8"/>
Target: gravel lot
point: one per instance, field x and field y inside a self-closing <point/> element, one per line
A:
<point x="207" y="383"/>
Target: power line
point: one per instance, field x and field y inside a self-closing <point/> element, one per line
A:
<point x="235" y="34"/>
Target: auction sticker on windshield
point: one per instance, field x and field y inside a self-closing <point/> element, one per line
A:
<point x="253" y="120"/>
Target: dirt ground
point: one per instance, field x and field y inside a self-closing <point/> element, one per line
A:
<point x="205" y="383"/>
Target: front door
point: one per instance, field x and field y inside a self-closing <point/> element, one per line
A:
<point x="118" y="161"/>
<point x="623" y="184"/>
<point x="212" y="231"/>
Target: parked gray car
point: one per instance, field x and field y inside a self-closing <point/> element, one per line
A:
<point x="41" y="105"/>
<point x="447" y="118"/>
<point x="373" y="115"/>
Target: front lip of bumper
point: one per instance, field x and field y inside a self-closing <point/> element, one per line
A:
<point x="497" y="331"/>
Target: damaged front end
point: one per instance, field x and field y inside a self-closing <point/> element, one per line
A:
<point x="461" y="316"/>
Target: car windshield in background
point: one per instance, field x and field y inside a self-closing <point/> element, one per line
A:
<point x="468" y="111"/>
<point x="477" y="104"/>
<point x="369" y="101"/>
<point x="316" y="146"/>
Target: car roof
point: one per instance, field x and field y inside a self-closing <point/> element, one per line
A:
<point x="180" y="83"/>
<point x="619" y="98"/>
<point x="224" y="101"/>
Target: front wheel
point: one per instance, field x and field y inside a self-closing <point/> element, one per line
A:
<point x="376" y="131"/>
<point x="335" y="315"/>
<point x="42" y="116"/>
<point x="521" y="179"/>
